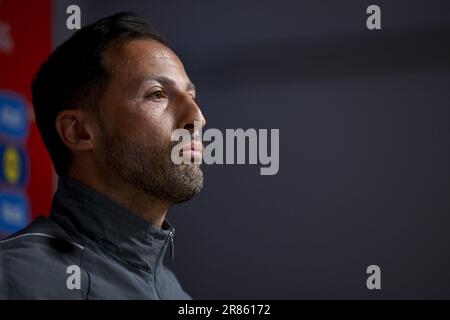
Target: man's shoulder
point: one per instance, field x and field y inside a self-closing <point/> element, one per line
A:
<point x="34" y="262"/>
<point x="43" y="233"/>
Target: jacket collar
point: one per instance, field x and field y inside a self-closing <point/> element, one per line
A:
<point x="127" y="236"/>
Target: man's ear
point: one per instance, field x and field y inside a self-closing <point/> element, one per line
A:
<point x="75" y="129"/>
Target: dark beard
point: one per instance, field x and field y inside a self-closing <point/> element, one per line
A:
<point x="150" y="169"/>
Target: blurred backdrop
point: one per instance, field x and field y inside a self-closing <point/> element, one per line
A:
<point x="364" y="142"/>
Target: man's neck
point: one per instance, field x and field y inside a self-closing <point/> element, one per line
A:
<point x="136" y="201"/>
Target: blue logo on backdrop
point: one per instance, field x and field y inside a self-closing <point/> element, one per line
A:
<point x="14" y="212"/>
<point x="13" y="115"/>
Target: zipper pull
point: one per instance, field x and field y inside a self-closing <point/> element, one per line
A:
<point x="172" y="245"/>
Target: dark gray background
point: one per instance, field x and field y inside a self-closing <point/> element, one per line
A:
<point x="364" y="145"/>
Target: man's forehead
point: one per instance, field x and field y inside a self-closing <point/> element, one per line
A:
<point x="144" y="52"/>
<point x="141" y="59"/>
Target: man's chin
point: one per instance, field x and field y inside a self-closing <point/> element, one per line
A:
<point x="186" y="182"/>
<point x="187" y="194"/>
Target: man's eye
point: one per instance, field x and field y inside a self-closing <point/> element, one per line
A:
<point x="156" y="95"/>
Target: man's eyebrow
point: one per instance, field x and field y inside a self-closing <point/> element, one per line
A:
<point x="168" y="82"/>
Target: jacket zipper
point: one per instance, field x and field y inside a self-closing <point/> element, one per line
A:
<point x="172" y="245"/>
<point x="169" y="239"/>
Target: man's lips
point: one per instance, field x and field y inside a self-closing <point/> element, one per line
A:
<point x="194" y="150"/>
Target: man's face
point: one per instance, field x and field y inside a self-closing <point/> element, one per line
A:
<point x="148" y="96"/>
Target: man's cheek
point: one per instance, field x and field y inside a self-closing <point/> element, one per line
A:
<point x="157" y="139"/>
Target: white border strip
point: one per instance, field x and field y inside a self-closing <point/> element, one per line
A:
<point x="41" y="235"/>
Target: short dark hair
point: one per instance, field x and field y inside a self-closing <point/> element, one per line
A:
<point x="75" y="76"/>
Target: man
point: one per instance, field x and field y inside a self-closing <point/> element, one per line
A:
<point x="106" y="103"/>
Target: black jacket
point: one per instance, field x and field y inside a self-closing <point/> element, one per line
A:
<point x="89" y="248"/>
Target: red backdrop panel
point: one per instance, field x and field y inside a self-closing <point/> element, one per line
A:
<point x="25" y="42"/>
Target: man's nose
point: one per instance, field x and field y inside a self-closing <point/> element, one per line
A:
<point x="192" y="116"/>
